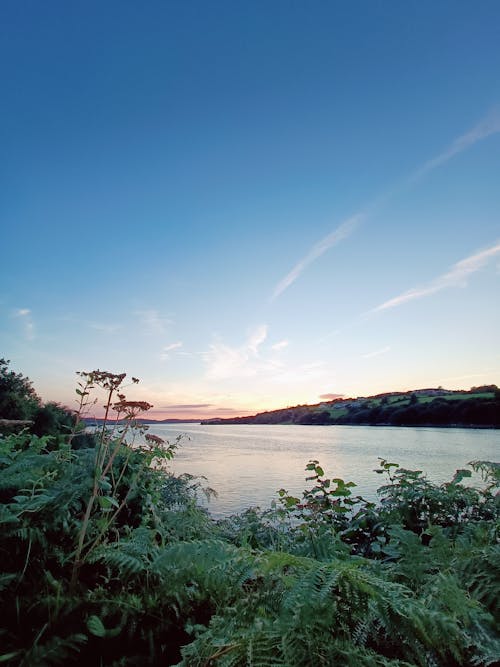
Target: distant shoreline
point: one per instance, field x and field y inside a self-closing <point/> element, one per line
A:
<point x="478" y="407"/>
<point x="486" y="427"/>
<point x="434" y="407"/>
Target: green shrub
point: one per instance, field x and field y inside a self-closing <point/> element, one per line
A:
<point x="107" y="559"/>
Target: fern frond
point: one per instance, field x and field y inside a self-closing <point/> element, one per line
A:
<point x="56" y="651"/>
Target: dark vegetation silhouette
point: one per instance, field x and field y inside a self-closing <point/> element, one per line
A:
<point x="479" y="407"/>
<point x="107" y="558"/>
<point x="20" y="407"/>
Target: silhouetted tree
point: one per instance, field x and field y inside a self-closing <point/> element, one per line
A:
<point x="18" y="399"/>
<point x="52" y="419"/>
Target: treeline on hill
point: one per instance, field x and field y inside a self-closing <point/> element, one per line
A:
<point x="107" y="559"/>
<point x="423" y="407"/>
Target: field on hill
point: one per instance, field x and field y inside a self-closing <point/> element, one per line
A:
<point x="478" y="407"/>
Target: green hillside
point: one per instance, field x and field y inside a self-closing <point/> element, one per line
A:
<point x="480" y="406"/>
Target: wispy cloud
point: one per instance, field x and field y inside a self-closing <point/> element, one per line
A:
<point x="185" y="406"/>
<point x="26" y="319"/>
<point x="487" y="127"/>
<point x="376" y="353"/>
<point x="165" y="353"/>
<point x="455" y="277"/>
<point x="295" y="375"/>
<point x="256" y="338"/>
<point x="331" y="397"/>
<point x="280" y="345"/>
<point x="224" y="361"/>
<point x="336" y="236"/>
<point x="172" y="346"/>
<point x="153" y="322"/>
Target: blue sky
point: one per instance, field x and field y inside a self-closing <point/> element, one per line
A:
<point x="250" y="205"/>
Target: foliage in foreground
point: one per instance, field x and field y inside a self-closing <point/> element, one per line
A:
<point x="107" y="559"/>
<point x="20" y="406"/>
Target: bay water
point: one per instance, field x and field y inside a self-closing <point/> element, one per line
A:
<point x="248" y="464"/>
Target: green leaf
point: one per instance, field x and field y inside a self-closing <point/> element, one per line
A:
<point x="340" y="491"/>
<point x="107" y="502"/>
<point x="460" y="475"/>
<point x="105" y="484"/>
<point x="95" y="626"/>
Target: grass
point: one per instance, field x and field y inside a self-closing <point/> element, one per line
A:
<point x="456" y="397"/>
<point x="402" y="400"/>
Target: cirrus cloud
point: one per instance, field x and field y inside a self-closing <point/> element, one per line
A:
<point x="487" y="126"/>
<point x="26" y="319"/>
<point x="333" y="238"/>
<point x="456" y="276"/>
<point x="225" y="362"/>
<point x="165" y="353"/>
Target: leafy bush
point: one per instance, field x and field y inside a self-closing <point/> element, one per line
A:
<point x="107" y="559"/>
<point x="427" y="595"/>
<point x="79" y="531"/>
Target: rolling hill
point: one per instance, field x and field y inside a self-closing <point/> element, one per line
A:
<point x="478" y="407"/>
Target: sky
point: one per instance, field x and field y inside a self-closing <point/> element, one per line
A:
<point x="250" y="205"/>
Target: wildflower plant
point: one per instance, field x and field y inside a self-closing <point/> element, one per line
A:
<point x="116" y="444"/>
<point x="106" y="558"/>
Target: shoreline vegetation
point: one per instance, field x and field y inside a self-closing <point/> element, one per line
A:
<point x="477" y="408"/>
<point x="107" y="557"/>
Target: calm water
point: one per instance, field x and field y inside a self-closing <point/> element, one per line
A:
<point x="247" y="464"/>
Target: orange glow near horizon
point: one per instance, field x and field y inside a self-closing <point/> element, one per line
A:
<point x="243" y="406"/>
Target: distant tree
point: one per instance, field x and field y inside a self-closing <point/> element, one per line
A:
<point x="18" y="399"/>
<point x="52" y="419"/>
<point x="321" y="417"/>
<point x="19" y="402"/>
<point x="439" y="411"/>
<point x="485" y="388"/>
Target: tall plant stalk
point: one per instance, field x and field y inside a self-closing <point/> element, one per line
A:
<point x="106" y="450"/>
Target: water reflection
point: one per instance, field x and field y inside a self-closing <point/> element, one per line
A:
<point x="247" y="464"/>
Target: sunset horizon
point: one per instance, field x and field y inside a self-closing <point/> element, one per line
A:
<point x="251" y="207"/>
